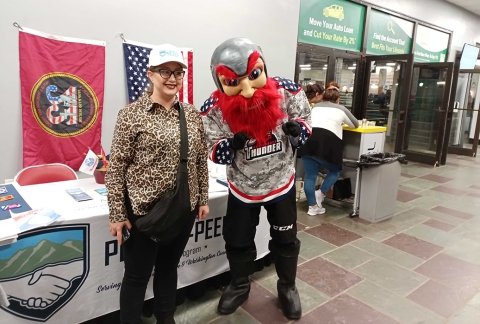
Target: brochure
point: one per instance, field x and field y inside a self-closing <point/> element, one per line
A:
<point x="34" y="218"/>
<point x="78" y="194"/>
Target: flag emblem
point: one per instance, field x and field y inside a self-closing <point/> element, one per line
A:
<point x="63" y="104"/>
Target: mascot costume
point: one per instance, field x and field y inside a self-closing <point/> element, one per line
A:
<point x="253" y="125"/>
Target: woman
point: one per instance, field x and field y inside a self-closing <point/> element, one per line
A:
<point x="143" y="163"/>
<point x="324" y="148"/>
<point x="314" y="93"/>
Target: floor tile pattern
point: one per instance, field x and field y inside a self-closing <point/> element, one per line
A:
<point x="422" y="265"/>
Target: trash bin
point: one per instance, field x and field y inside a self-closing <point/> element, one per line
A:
<point x="380" y="177"/>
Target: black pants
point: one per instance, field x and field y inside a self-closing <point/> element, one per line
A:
<point x="141" y="254"/>
<point x="241" y="220"/>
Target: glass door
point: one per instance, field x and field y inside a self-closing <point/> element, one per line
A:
<point x="312" y="65"/>
<point x="385" y="93"/>
<point x="321" y="65"/>
<point x="345" y="73"/>
<point x="464" y="129"/>
<point x="426" y="115"/>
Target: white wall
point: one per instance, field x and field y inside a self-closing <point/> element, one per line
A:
<point x="199" y="24"/>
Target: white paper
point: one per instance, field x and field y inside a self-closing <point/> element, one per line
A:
<point x="8" y="231"/>
<point x="214" y="186"/>
<point x="34" y="218"/>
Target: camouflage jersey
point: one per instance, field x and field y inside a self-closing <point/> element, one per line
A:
<point x="259" y="174"/>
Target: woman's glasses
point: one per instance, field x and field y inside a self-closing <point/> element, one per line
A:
<point x="166" y="73"/>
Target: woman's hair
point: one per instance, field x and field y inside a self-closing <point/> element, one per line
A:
<point x="332" y="92"/>
<point x="311" y="90"/>
<point x="149" y="88"/>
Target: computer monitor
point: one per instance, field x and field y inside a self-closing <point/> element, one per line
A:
<point x="469" y="57"/>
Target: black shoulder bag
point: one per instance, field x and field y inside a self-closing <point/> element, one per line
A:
<point x="171" y="211"/>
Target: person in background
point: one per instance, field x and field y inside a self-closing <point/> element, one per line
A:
<point x="324" y="148"/>
<point x="145" y="154"/>
<point x="253" y="125"/>
<point x="314" y="93"/>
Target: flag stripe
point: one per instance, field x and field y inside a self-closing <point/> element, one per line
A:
<point x="190" y="76"/>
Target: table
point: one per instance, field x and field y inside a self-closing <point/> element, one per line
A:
<point x="71" y="271"/>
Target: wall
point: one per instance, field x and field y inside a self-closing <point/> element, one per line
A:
<point x="201" y="25"/>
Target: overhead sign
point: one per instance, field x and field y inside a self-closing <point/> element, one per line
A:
<point x="430" y="45"/>
<point x="331" y="23"/>
<point x="388" y="35"/>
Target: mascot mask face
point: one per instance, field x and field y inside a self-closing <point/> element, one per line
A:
<point x="249" y="100"/>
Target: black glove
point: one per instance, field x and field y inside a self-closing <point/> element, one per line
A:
<point x="238" y="141"/>
<point x="291" y="128"/>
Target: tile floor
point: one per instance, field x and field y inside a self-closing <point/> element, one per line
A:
<point x="420" y="266"/>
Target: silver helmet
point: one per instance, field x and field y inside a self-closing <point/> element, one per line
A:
<point x="234" y="54"/>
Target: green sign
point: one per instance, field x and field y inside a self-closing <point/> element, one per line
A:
<point x="430" y="45"/>
<point x="331" y="23"/>
<point x="388" y="35"/>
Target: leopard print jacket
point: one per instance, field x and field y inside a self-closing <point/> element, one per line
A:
<point x="145" y="154"/>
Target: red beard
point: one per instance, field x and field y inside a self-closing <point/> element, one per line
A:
<point x="256" y="116"/>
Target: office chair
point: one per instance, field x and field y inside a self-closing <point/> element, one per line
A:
<point x="44" y="173"/>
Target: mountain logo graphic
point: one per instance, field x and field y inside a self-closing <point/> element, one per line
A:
<point x="44" y="269"/>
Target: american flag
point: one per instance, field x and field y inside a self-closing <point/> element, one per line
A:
<point x="136" y="64"/>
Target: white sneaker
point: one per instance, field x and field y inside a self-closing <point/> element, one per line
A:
<point x="319" y="197"/>
<point x="315" y="210"/>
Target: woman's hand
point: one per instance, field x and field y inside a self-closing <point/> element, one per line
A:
<point x="116" y="229"/>
<point x="203" y="212"/>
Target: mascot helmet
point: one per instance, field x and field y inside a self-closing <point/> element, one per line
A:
<point x="233" y="53"/>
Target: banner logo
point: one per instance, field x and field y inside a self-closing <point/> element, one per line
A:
<point x="44" y="269"/>
<point x="334" y="11"/>
<point x="63" y="104"/>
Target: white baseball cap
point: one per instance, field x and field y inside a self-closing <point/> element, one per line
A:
<point x="165" y="53"/>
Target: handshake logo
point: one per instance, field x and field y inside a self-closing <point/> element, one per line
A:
<point x="43" y="270"/>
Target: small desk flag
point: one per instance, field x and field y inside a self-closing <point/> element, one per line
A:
<point x="90" y="163"/>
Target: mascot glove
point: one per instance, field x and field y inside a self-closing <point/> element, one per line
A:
<point x="291" y="128"/>
<point x="238" y="141"/>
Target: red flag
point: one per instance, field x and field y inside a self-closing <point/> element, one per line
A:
<point x="62" y="84"/>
